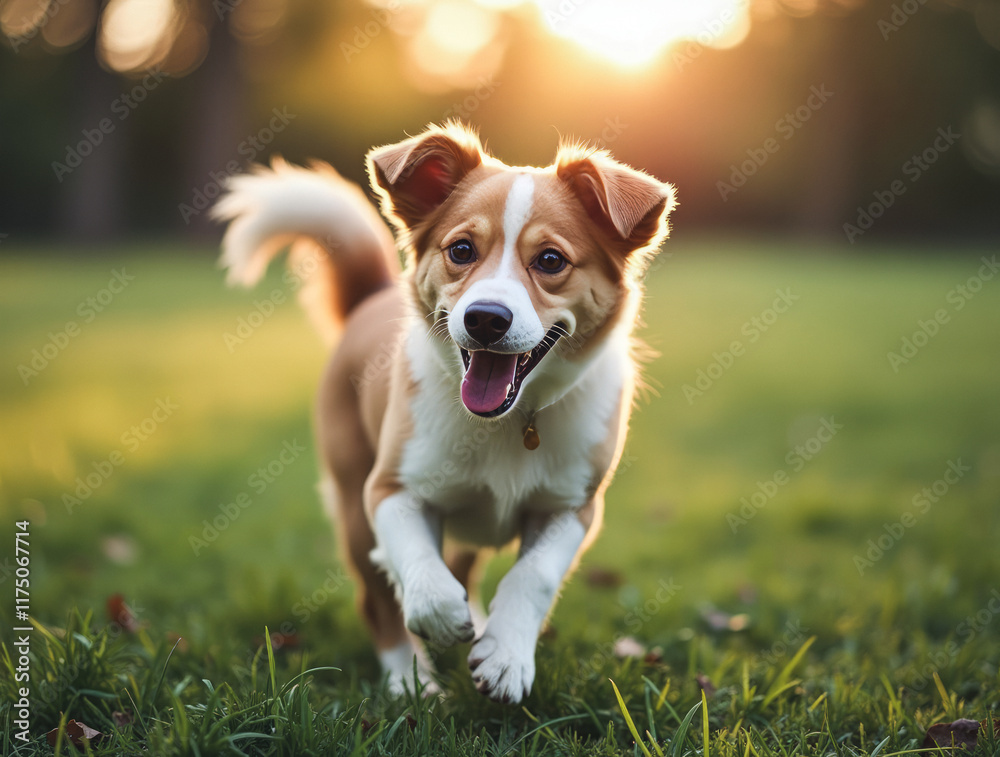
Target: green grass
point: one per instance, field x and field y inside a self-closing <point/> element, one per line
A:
<point x="887" y="649"/>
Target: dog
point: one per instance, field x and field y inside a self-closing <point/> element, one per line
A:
<point x="508" y="371"/>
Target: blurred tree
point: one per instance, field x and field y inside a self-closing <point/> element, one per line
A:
<point x="358" y="73"/>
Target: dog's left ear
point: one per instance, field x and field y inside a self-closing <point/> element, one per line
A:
<point x="631" y="204"/>
<point x="415" y="176"/>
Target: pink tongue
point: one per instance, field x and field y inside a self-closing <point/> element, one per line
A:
<point x="485" y="385"/>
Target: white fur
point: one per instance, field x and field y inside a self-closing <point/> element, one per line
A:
<point x="516" y="212"/>
<point x="435" y="604"/>
<point x="314" y="210"/>
<point x="269" y="208"/>
<point x="478" y="473"/>
<point x="397" y="664"/>
<point x="474" y="481"/>
<point x="503" y="658"/>
<point x="526" y="329"/>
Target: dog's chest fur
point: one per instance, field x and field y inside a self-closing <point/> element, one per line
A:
<point x="478" y="474"/>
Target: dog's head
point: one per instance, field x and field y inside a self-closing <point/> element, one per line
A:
<point x="517" y="268"/>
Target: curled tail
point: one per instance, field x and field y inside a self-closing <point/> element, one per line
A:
<point x="340" y="248"/>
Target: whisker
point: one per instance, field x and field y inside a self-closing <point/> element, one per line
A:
<point x="440" y="328"/>
<point x="560" y="332"/>
<point x="434" y="313"/>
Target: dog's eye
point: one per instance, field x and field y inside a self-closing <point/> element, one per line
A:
<point x="550" y="261"/>
<point x="461" y="252"/>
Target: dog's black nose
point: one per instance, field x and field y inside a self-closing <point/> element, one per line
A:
<point x="487" y="322"/>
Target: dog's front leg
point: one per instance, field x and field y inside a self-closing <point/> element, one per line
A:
<point x="435" y="604"/>
<point x="503" y="659"/>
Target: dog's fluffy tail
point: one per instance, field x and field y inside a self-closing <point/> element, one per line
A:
<point x="341" y="250"/>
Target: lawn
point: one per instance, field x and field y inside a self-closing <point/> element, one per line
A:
<point x="804" y="526"/>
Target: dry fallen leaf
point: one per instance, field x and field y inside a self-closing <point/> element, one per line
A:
<point x="367" y="725"/>
<point x="75" y="732"/>
<point x="177" y="642"/>
<point x="706" y="685"/>
<point x="122" y="719"/>
<point x="279" y="640"/>
<point x="120" y="614"/>
<point x="603" y="578"/>
<point x="960" y="734"/>
<point x="653" y="656"/>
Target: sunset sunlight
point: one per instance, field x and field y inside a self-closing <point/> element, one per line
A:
<point x="633" y="33"/>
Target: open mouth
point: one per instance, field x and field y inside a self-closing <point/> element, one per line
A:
<point x="493" y="379"/>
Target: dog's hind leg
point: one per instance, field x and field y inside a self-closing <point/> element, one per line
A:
<point x="376" y="599"/>
<point x="464" y="564"/>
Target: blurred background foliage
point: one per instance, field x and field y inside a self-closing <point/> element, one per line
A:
<point x="191" y="90"/>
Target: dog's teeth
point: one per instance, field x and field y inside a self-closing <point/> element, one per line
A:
<point x="525" y="358"/>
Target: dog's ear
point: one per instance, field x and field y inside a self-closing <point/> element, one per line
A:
<point x="415" y="176"/>
<point x="630" y="204"/>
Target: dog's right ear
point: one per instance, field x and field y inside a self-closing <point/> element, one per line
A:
<point x="415" y="176"/>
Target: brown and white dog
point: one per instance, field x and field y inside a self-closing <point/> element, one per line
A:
<point x="506" y="406"/>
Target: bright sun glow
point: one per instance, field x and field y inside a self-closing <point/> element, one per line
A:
<point x="132" y="30"/>
<point x="633" y="33"/>
<point x="451" y="40"/>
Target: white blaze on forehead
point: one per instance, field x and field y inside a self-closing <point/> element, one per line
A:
<point x="503" y="285"/>
<point x="517" y="211"/>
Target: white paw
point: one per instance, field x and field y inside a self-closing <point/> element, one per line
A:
<point x="436" y="608"/>
<point x="398" y="667"/>
<point x="502" y="670"/>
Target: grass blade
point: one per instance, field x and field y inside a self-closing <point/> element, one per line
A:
<point x="704" y="723"/>
<point x="878" y="749"/>
<point x="682" y="731"/>
<point x="781" y="682"/>
<point x="628" y="721"/>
